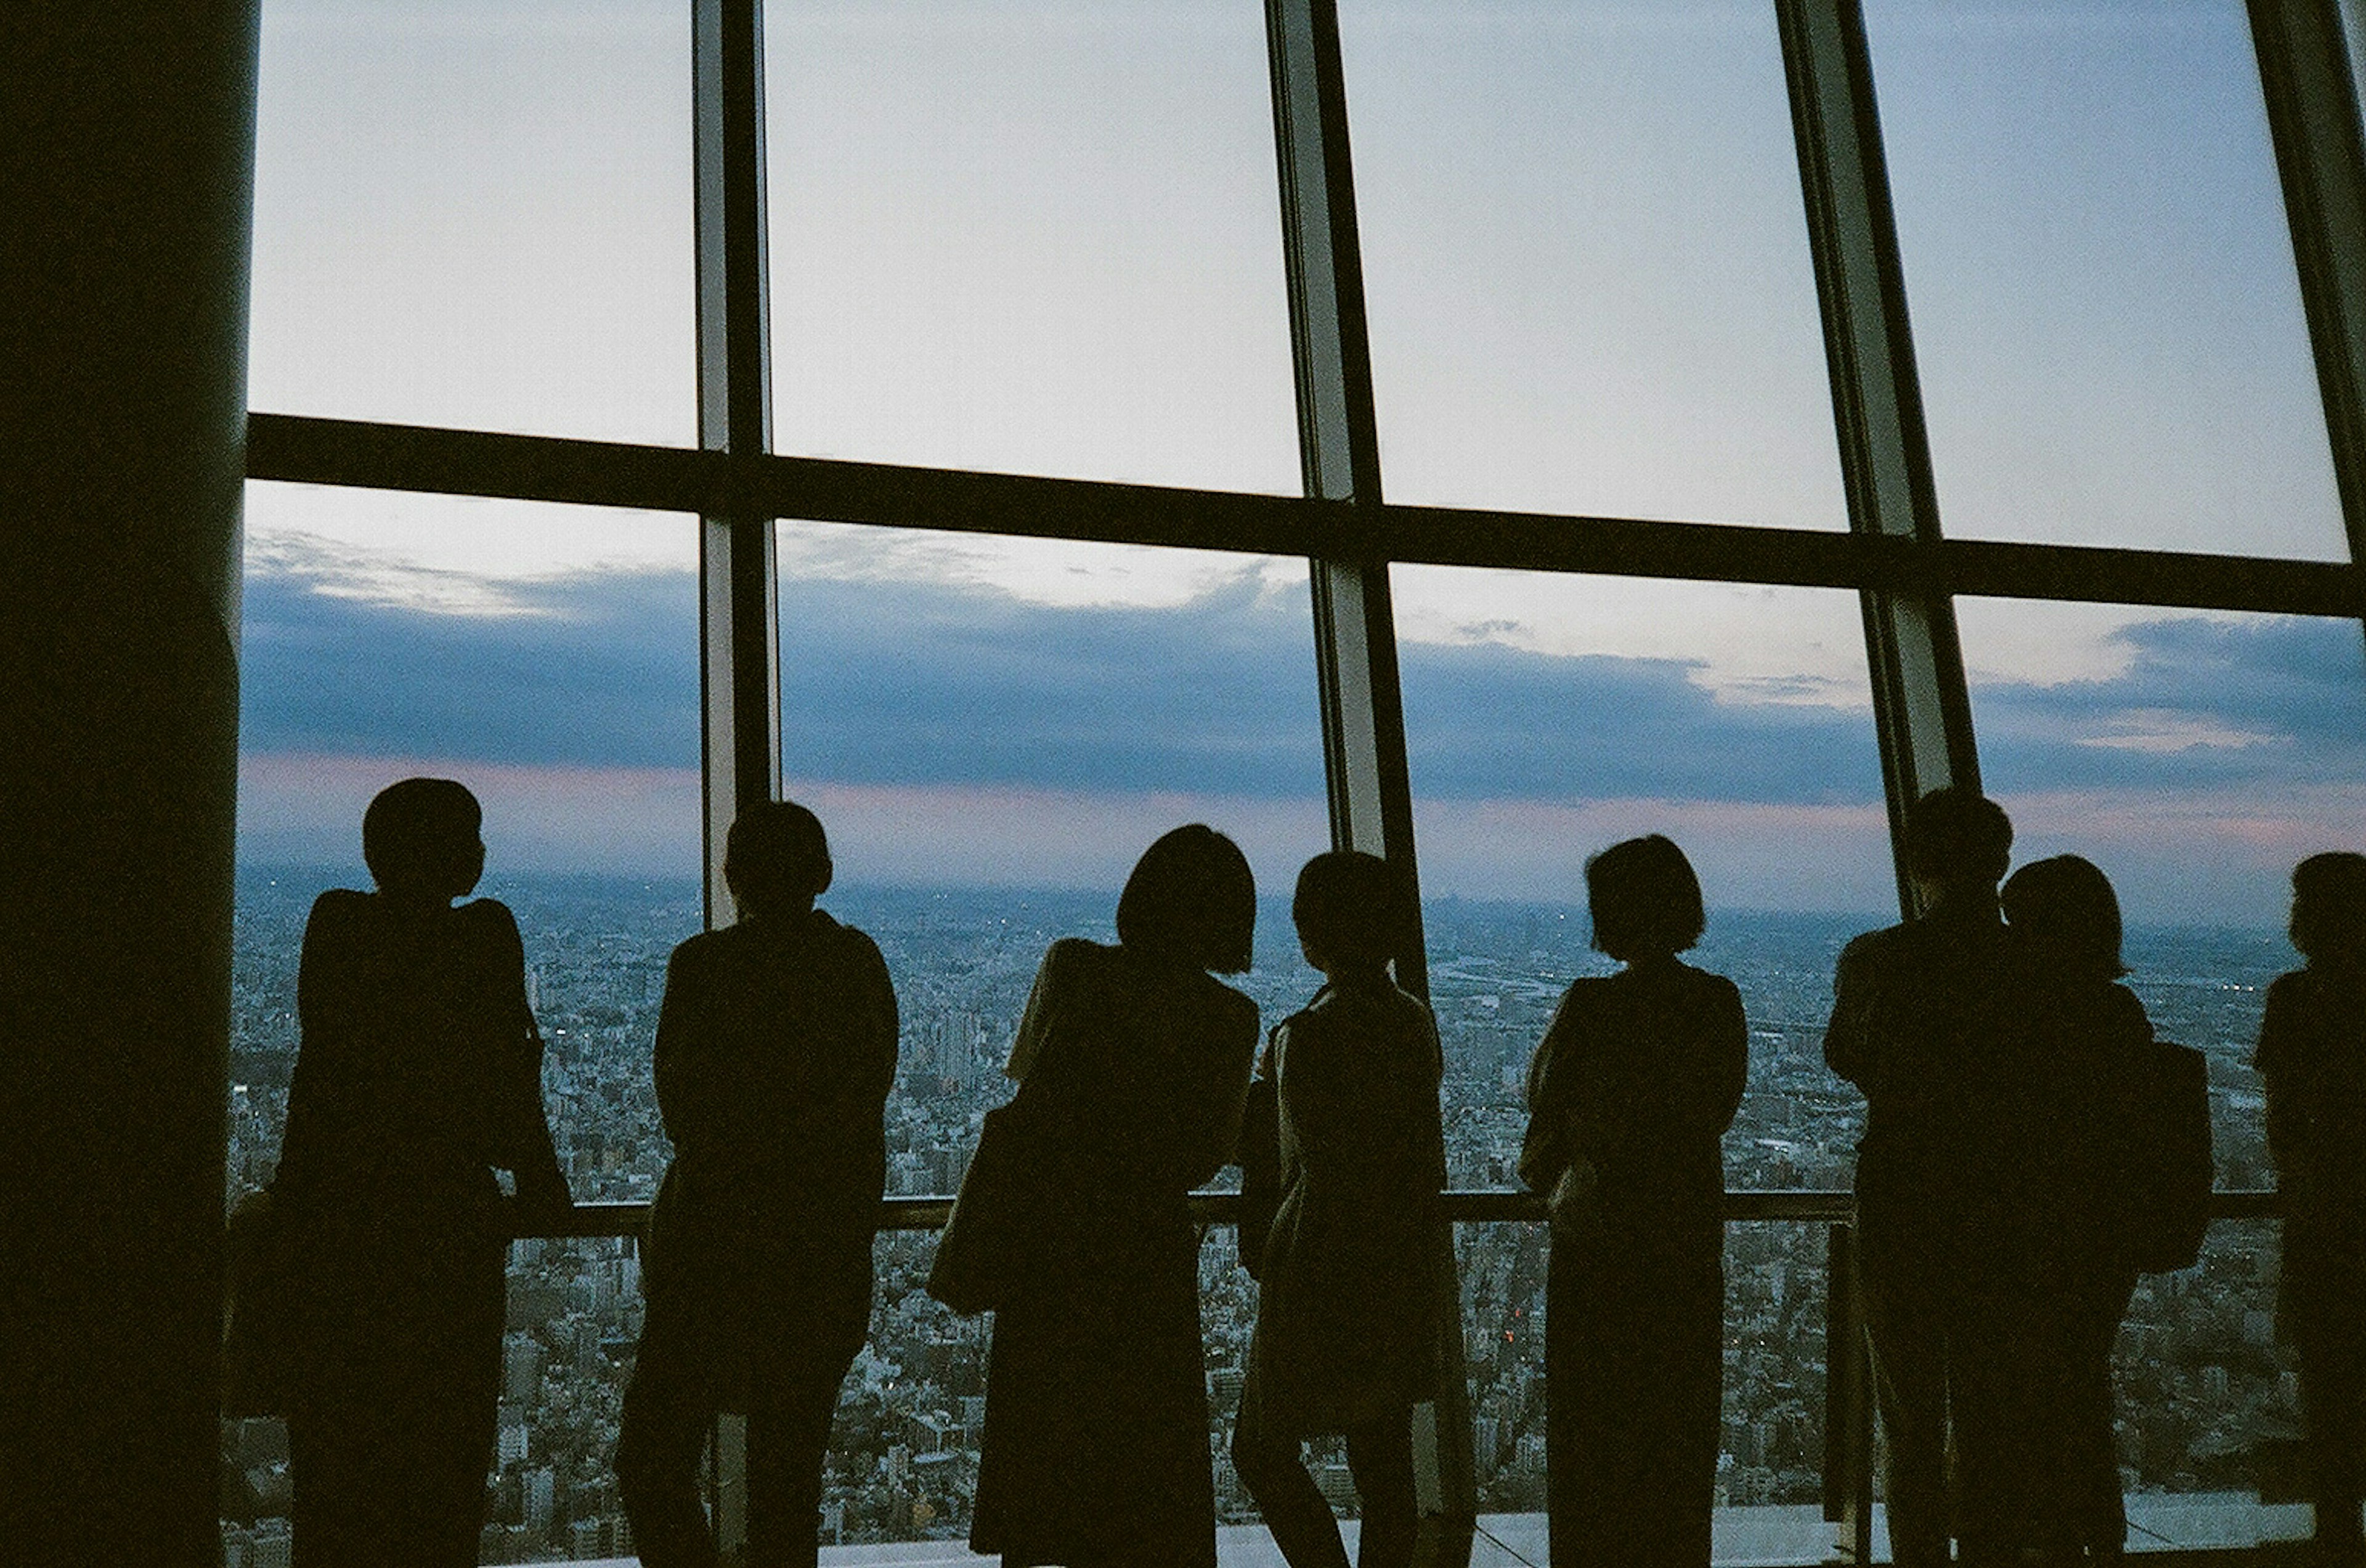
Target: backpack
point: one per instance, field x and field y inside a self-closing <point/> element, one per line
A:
<point x="2167" y="1159"/>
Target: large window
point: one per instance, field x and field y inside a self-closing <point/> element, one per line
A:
<point x="1020" y="429"/>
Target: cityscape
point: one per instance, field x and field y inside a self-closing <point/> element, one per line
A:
<point x="2206" y="1404"/>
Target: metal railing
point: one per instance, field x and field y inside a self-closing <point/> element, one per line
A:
<point x="1848" y="1469"/>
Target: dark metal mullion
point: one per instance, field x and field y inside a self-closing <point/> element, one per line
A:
<point x="1368" y="780"/>
<point x="2312" y="104"/>
<point x="301" y="449"/>
<point x="1921" y="705"/>
<point x="739" y="635"/>
<point x="1355" y="632"/>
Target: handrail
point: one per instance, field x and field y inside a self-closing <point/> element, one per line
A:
<point x="1468" y="1205"/>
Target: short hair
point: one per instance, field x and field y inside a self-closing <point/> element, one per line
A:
<point x="424" y="836"/>
<point x="1346" y="908"/>
<point x="1191" y="898"/>
<point x="2065" y="908"/>
<point x="2329" y="906"/>
<point x="777" y="855"/>
<point x="1644" y="899"/>
<point x="1957" y="834"/>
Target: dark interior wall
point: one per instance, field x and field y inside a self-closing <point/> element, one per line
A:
<point x="126" y="184"/>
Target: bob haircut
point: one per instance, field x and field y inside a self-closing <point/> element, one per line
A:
<point x="2066" y="907"/>
<point x="2329" y="907"/>
<point x="423" y="836"/>
<point x="1191" y="898"/>
<point x="1345" y="908"/>
<point x="1645" y="900"/>
<point x="777" y="856"/>
<point x="1958" y="835"/>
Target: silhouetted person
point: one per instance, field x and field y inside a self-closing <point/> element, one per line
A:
<point x="419" y="1073"/>
<point x="1347" y="1327"/>
<point x="1636" y="1081"/>
<point x="775" y="1053"/>
<point x="2313" y="1056"/>
<point x="1916" y="1009"/>
<point x="2051" y="1235"/>
<point x="1096" y="1444"/>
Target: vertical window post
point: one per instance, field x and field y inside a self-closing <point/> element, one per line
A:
<point x="2312" y="99"/>
<point x="738" y="637"/>
<point x="1364" y="760"/>
<point x="1922" y="711"/>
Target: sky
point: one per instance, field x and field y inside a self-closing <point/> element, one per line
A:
<point x="1042" y="238"/>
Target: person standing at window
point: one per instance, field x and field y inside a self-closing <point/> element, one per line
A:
<point x="2313" y="1056"/>
<point x="1346" y="1324"/>
<point x="2054" y="1232"/>
<point x="775" y="1053"/>
<point x="1917" y="1009"/>
<point x="418" y="1075"/>
<point x="1133" y="1063"/>
<point x="1637" y="1079"/>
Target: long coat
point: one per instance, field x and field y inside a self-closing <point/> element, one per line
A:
<point x="420" y="1073"/>
<point x="2312" y="1057"/>
<point x="1636" y="1081"/>
<point x="1347" y="1327"/>
<point x="776" y="1053"/>
<point x="1096" y="1442"/>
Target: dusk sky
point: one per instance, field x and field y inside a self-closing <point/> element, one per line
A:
<point x="1042" y="238"/>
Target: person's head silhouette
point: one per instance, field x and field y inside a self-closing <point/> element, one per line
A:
<point x="776" y="860"/>
<point x="1345" y="911"/>
<point x="1190" y="899"/>
<point x="1958" y="843"/>
<point x="2329" y="909"/>
<point x="1644" y="899"/>
<point x="420" y="840"/>
<point x="2065" y="912"/>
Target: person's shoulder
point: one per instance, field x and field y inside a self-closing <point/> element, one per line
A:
<point x="343" y="907"/>
<point x="2293" y="987"/>
<point x="340" y="921"/>
<point x="2124" y="1013"/>
<point x="1889" y="943"/>
<point x="1074" y="955"/>
<point x="1233" y="1007"/>
<point x="1711" y="990"/>
<point x="490" y="915"/>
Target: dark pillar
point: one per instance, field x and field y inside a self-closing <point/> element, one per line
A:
<point x="125" y="182"/>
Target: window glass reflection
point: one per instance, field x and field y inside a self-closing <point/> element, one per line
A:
<point x="1549" y="717"/>
<point x="2195" y="758"/>
<point x="1587" y="262"/>
<point x="1039" y="240"/>
<point x="2106" y="319"/>
<point x="546" y="656"/>
<point x="477" y="216"/>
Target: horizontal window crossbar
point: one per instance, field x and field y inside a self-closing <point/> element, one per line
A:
<point x="305" y="450"/>
<point x="1465" y="1205"/>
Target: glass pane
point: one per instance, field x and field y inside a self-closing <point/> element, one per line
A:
<point x="976" y="716"/>
<point x="477" y="216"/>
<point x="1771" y="1438"/>
<point x="2208" y="1418"/>
<point x="2195" y="758"/>
<point x="1587" y="261"/>
<point x="546" y="656"/>
<point x="1551" y="716"/>
<point x="2107" y="319"/>
<point x="1039" y="240"/>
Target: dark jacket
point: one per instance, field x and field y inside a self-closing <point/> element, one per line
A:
<point x="1096" y="1435"/>
<point x="1919" y="1011"/>
<point x="776" y="1053"/>
<point x="2313" y="1056"/>
<point x="1637" y="1079"/>
<point x="1346" y="1326"/>
<point x="419" y="1073"/>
